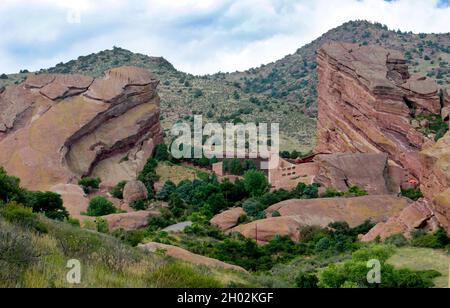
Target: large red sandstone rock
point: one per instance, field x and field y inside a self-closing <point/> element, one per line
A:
<point x="321" y="212"/>
<point x="129" y="221"/>
<point x="227" y="219"/>
<point x="134" y="191"/>
<point x="182" y="254"/>
<point x="367" y="102"/>
<point x="416" y="216"/>
<point x="56" y="128"/>
<point x="370" y="172"/>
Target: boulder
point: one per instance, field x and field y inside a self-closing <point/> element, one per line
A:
<point x="184" y="255"/>
<point x="227" y="219"/>
<point x="117" y="117"/>
<point x="130" y="221"/>
<point x="134" y="191"/>
<point x="265" y="230"/>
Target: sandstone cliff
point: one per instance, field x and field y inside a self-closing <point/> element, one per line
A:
<point x="369" y="103"/>
<point x="56" y="128"/>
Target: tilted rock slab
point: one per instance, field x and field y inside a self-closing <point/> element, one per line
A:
<point x="367" y="101"/>
<point x="321" y="212"/>
<point x="56" y="128"/>
<point x="227" y="219"/>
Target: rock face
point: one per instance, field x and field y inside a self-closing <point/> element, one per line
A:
<point x="182" y="254"/>
<point x="227" y="219"/>
<point x="366" y="103"/>
<point x="56" y="128"/>
<point x="342" y="171"/>
<point x="321" y="212"/>
<point x="369" y="103"/>
<point x="134" y="191"/>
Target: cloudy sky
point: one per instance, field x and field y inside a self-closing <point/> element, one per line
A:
<point x="197" y="36"/>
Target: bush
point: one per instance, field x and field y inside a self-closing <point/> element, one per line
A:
<point x="102" y="226"/>
<point x="256" y="183"/>
<point x="397" y="240"/>
<point x="276" y="214"/>
<point x="306" y="281"/>
<point x="139" y="205"/>
<point x="50" y="204"/>
<point x="413" y="194"/>
<point x="100" y="206"/>
<point x="168" y="189"/>
<point x="117" y="191"/>
<point x="132" y="238"/>
<point x="89" y="184"/>
<point x="437" y="240"/>
<point x="18" y="214"/>
<point x="161" y="152"/>
<point x="10" y="189"/>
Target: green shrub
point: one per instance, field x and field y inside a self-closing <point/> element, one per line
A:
<point x="89" y="184"/>
<point x="161" y="152"/>
<point x="132" y="238"/>
<point x="74" y="222"/>
<point x="437" y="240"/>
<point x="397" y="240"/>
<point x="256" y="183"/>
<point x="50" y="204"/>
<point x="102" y="226"/>
<point x="413" y="194"/>
<point x="276" y="214"/>
<point x="168" y="189"/>
<point x="10" y="189"/>
<point x="139" y="205"/>
<point x="100" y="206"/>
<point x="306" y="281"/>
<point x="23" y="216"/>
<point x="117" y="191"/>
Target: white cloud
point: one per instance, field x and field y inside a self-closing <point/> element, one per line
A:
<point x="196" y="36"/>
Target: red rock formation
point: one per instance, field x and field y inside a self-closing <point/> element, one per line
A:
<point x="56" y="128"/>
<point x="368" y="103"/>
<point x="228" y="219"/>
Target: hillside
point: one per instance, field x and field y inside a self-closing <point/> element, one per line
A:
<point x="283" y="92"/>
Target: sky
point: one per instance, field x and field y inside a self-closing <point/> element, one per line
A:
<point x="196" y="36"/>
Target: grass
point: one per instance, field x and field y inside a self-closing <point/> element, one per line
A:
<point x="423" y="259"/>
<point x="176" y="173"/>
<point x="35" y="260"/>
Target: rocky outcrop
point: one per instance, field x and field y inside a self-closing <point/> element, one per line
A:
<point x="182" y="254"/>
<point x="227" y="219"/>
<point x="321" y="212"/>
<point x="129" y="221"/>
<point x="369" y="103"/>
<point x="414" y="217"/>
<point x="56" y="128"/>
<point x="134" y="191"/>
<point x="342" y="171"/>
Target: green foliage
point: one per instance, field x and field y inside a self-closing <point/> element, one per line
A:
<point x="132" y="238"/>
<point x="148" y="176"/>
<point x="397" y="240"/>
<point x="117" y="191"/>
<point x="354" y="272"/>
<point x="50" y="204"/>
<point x="276" y="214"/>
<point x="236" y="166"/>
<point x="22" y="216"/>
<point x="89" y="183"/>
<point x="161" y="152"/>
<point x="74" y="222"/>
<point x="256" y="183"/>
<point x="436" y="240"/>
<point x="306" y="281"/>
<point x="178" y="275"/>
<point x="10" y="189"/>
<point x="102" y="225"/>
<point x="413" y="194"/>
<point x="353" y="191"/>
<point x="139" y="205"/>
<point x="100" y="206"/>
<point x="168" y="189"/>
<point x="254" y="208"/>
